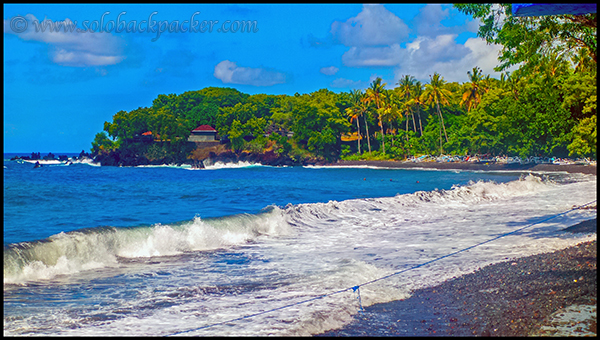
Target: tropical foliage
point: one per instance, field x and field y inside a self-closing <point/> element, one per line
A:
<point x="545" y="107"/>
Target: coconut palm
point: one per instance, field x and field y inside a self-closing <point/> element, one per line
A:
<point x="375" y="95"/>
<point x="582" y="60"/>
<point x="357" y="109"/>
<point x="472" y="96"/>
<point x="416" y="102"/>
<point x="405" y="86"/>
<point x="436" y="93"/>
<point x="390" y="108"/>
<point x="364" y="106"/>
<point x="510" y="82"/>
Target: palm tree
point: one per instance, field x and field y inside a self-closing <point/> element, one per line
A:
<point x="364" y="108"/>
<point x="510" y="82"/>
<point x="582" y="60"/>
<point x="389" y="108"/>
<point x="356" y="110"/>
<point x="416" y="101"/>
<point x="375" y="95"/>
<point x="472" y="96"/>
<point x="405" y="87"/>
<point x="436" y="93"/>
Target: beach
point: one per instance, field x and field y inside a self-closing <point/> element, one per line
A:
<point x="166" y="251"/>
<point x="526" y="296"/>
<point x="519" y="297"/>
<point x="534" y="167"/>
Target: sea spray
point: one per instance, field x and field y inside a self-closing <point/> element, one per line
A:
<point x="210" y="165"/>
<point x="176" y="278"/>
<point x="72" y="252"/>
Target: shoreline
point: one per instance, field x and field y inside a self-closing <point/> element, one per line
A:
<point x="271" y="159"/>
<point x="570" y="168"/>
<point x="519" y="297"/>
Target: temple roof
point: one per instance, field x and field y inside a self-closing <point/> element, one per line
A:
<point x="204" y="128"/>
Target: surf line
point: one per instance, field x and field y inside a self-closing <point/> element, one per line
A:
<point x="357" y="287"/>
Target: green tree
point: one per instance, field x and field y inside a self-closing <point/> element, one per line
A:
<point x="405" y="88"/>
<point x="236" y="135"/>
<point x="584" y="138"/>
<point x="374" y="95"/>
<point x="102" y="143"/>
<point x="416" y="102"/>
<point x="357" y="109"/>
<point x="472" y="96"/>
<point x="127" y="125"/>
<point x="523" y="38"/>
<point x="391" y="109"/>
<point x="435" y="93"/>
<point x="318" y="123"/>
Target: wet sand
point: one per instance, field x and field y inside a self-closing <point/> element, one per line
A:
<point x="571" y="168"/>
<point x="513" y="298"/>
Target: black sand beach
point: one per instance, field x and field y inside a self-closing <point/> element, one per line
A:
<point x="512" y="298"/>
<point x="571" y="168"/>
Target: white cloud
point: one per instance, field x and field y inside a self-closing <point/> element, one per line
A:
<point x="71" y="48"/>
<point x="435" y="49"/>
<point x="229" y="73"/>
<point x="428" y="21"/>
<point x="372" y="56"/>
<point x="373" y="26"/>
<point x="475" y="52"/>
<point x="329" y="71"/>
<point x="347" y="83"/>
<point x="80" y="58"/>
<point x="440" y="48"/>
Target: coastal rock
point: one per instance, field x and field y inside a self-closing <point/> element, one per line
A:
<point x="266" y="158"/>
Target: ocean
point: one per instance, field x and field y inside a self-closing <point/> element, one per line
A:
<point x="244" y="249"/>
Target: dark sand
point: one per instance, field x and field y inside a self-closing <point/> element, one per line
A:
<point x="575" y="168"/>
<point x="512" y="298"/>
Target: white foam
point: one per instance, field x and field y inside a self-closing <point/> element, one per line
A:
<point x="45" y="161"/>
<point x="305" y="251"/>
<point x="346" y="167"/>
<point x="85" y="160"/>
<point x="175" y="166"/>
<point x="221" y="165"/>
<point x="69" y="253"/>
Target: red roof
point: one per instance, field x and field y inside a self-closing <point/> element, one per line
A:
<point x="149" y="133"/>
<point x="204" y="128"/>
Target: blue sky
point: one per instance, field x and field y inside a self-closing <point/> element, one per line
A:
<point x="60" y="87"/>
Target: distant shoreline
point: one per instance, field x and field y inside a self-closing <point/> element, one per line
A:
<point x="570" y="168"/>
<point x="278" y="161"/>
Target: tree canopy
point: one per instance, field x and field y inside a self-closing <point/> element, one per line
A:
<point x="525" y="39"/>
<point x="545" y="107"/>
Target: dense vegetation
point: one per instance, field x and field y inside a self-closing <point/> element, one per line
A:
<point x="547" y="107"/>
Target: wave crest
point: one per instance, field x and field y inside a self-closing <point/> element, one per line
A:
<point x="72" y="252"/>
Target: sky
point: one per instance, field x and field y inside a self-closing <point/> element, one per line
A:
<point x="61" y="86"/>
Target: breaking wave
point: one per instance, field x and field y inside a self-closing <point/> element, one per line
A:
<point x="72" y="252"/>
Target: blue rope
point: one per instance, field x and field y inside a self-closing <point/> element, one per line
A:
<point x="357" y="287"/>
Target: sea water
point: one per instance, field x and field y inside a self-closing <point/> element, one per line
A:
<point x="243" y="249"/>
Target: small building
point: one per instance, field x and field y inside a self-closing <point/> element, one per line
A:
<point x="203" y="133"/>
